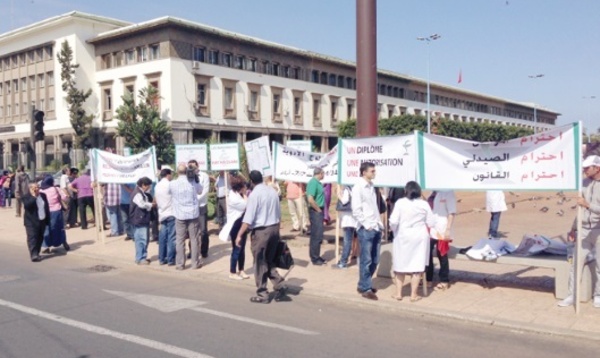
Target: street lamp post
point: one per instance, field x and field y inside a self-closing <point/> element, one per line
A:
<point x="428" y="39"/>
<point x="533" y="77"/>
<point x="587" y="115"/>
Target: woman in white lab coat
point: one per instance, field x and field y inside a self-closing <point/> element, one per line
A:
<point x="236" y="207"/>
<point x="409" y="221"/>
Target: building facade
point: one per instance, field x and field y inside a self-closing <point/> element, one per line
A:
<point x="212" y="84"/>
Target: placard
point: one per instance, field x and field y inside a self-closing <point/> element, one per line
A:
<point x="225" y="156"/>
<point x="186" y="152"/>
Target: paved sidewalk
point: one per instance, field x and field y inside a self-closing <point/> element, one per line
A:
<point x="516" y="297"/>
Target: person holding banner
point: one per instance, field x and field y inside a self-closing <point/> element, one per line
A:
<point x="409" y="221"/>
<point x="139" y="217"/>
<point x="316" y="200"/>
<point x="589" y="200"/>
<point x="365" y="209"/>
<point x="263" y="215"/>
<point x="184" y="192"/>
<point x="347" y="222"/>
<point x="443" y="206"/>
<point x="112" y="202"/>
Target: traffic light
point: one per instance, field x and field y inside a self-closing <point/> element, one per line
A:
<point x="38" y="125"/>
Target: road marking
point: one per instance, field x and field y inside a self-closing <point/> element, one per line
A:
<point x="254" y="321"/>
<point x="172" y="304"/>
<point x="167" y="348"/>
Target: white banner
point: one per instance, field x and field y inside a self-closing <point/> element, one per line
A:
<point x="543" y="161"/>
<point x="258" y="156"/>
<point x="298" y="166"/>
<point x="395" y="159"/>
<point x="185" y="153"/>
<point x="225" y="156"/>
<point x="112" y="168"/>
<point x="303" y="145"/>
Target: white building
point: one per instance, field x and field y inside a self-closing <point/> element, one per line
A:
<point x="212" y="83"/>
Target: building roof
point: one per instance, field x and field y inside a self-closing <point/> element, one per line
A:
<point x="169" y="20"/>
<point x="58" y="19"/>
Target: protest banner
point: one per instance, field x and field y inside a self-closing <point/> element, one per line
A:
<point x="303" y="145"/>
<point x="225" y="156"/>
<point x="298" y="166"/>
<point x="394" y="159"/>
<point x="544" y="161"/>
<point x="112" y="168"/>
<point x="258" y="156"/>
<point x="186" y="152"/>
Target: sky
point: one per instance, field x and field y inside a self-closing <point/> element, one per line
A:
<point x="496" y="44"/>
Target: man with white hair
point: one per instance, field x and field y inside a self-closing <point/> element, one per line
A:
<point x="589" y="200"/>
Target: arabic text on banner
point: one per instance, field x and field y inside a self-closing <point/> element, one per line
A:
<point x="298" y="166"/>
<point x="225" y="156"/>
<point x="258" y="156"/>
<point x="303" y="145"/>
<point x="112" y="168"/>
<point x="185" y="153"/>
<point x="543" y="161"/>
<point x="394" y="159"/>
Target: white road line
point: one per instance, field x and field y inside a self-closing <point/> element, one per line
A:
<point x="167" y="348"/>
<point x="253" y="321"/>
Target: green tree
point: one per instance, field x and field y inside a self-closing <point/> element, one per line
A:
<point x="405" y="124"/>
<point x="76" y="98"/>
<point x="141" y="126"/>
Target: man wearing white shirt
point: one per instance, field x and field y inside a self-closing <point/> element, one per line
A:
<point x="366" y="212"/>
<point x="166" y="235"/>
<point x="204" y="181"/>
<point x="495" y="204"/>
<point x="221" y="198"/>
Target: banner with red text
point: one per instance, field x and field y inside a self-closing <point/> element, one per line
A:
<point x="543" y="161"/>
<point x="186" y="152"/>
<point x="112" y="168"/>
<point x="298" y="166"/>
<point x="225" y="156"/>
<point x="394" y="158"/>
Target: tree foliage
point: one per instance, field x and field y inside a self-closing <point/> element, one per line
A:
<point x="141" y="126"/>
<point x="405" y="124"/>
<point x="76" y="98"/>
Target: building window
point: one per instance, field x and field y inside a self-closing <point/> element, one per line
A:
<point x="340" y="81"/>
<point x="297" y="106"/>
<point x="350" y="109"/>
<point x="16" y="109"/>
<point x="254" y="101"/>
<point x="201" y="94"/>
<point x="142" y="54"/>
<point x="202" y="99"/>
<point x="251" y="65"/>
<point x="315" y="76"/>
<point x="42" y="104"/>
<point x="1" y="89"/>
<point x="129" y="57"/>
<point x="107" y="61"/>
<point x="31" y="57"/>
<point x="8" y="111"/>
<point x="8" y="87"/>
<point x="22" y="59"/>
<point x="50" y="76"/>
<point x="107" y="100"/>
<point x="332" y="80"/>
<point x="118" y="59"/>
<point x="39" y="54"/>
<point x="227" y="60"/>
<point x="317" y="108"/>
<point x="51" y="103"/>
<point x="286" y="71"/>
<point x="323" y="78"/>
<point x="49" y="52"/>
<point x="15" y="61"/>
<point x="229" y="100"/>
<point x="24" y="84"/>
<point x="349" y="82"/>
<point x="130" y="91"/>
<point x="213" y="57"/>
<point x="276" y="103"/>
<point x="296" y="73"/>
<point x="32" y="82"/>
<point x="240" y="61"/>
<point x="41" y="80"/>
<point x="276" y="69"/>
<point x="199" y="54"/>
<point x="267" y="68"/>
<point x="24" y="107"/>
<point x="16" y="85"/>
<point x="1" y="111"/>
<point x="334" y="106"/>
<point x="154" y="51"/>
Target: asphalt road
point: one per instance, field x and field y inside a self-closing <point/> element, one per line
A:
<point x="64" y="307"/>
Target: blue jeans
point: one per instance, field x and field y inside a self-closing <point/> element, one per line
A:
<point x="348" y="236"/>
<point x="125" y="220"/>
<point x="494" y="223"/>
<point x="370" y="245"/>
<point x="116" y="223"/>
<point x="7" y="196"/>
<point x="166" y="241"/>
<point x="140" y="235"/>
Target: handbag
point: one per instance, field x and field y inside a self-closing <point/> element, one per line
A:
<point x="344" y="207"/>
<point x="283" y="256"/>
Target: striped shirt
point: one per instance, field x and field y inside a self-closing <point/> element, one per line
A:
<point x="112" y="194"/>
<point x="184" y="194"/>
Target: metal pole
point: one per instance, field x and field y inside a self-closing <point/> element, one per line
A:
<point x="428" y="94"/>
<point x="366" y="68"/>
<point x="534" y="104"/>
<point x="32" y="154"/>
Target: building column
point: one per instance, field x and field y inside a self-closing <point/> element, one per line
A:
<point x="58" y="148"/>
<point x="241" y="137"/>
<point x="120" y="143"/>
<point x="216" y="136"/>
<point x="6" y="153"/>
<point x="286" y="138"/>
<point x="325" y="145"/>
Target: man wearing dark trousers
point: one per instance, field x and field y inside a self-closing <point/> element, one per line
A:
<point x="263" y="215"/>
<point x="85" y="196"/>
<point x="36" y="218"/>
<point x="204" y="181"/>
<point x="316" y="202"/>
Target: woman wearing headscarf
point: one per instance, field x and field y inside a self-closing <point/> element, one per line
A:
<point x="409" y="220"/>
<point x="55" y="234"/>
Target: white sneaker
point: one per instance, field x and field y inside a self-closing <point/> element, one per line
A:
<point x="567" y="302"/>
<point x="235" y="276"/>
<point x="597" y="301"/>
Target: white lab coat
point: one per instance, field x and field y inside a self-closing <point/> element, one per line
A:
<point x="409" y="220"/>
<point x="495" y="201"/>
<point x="236" y="206"/>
